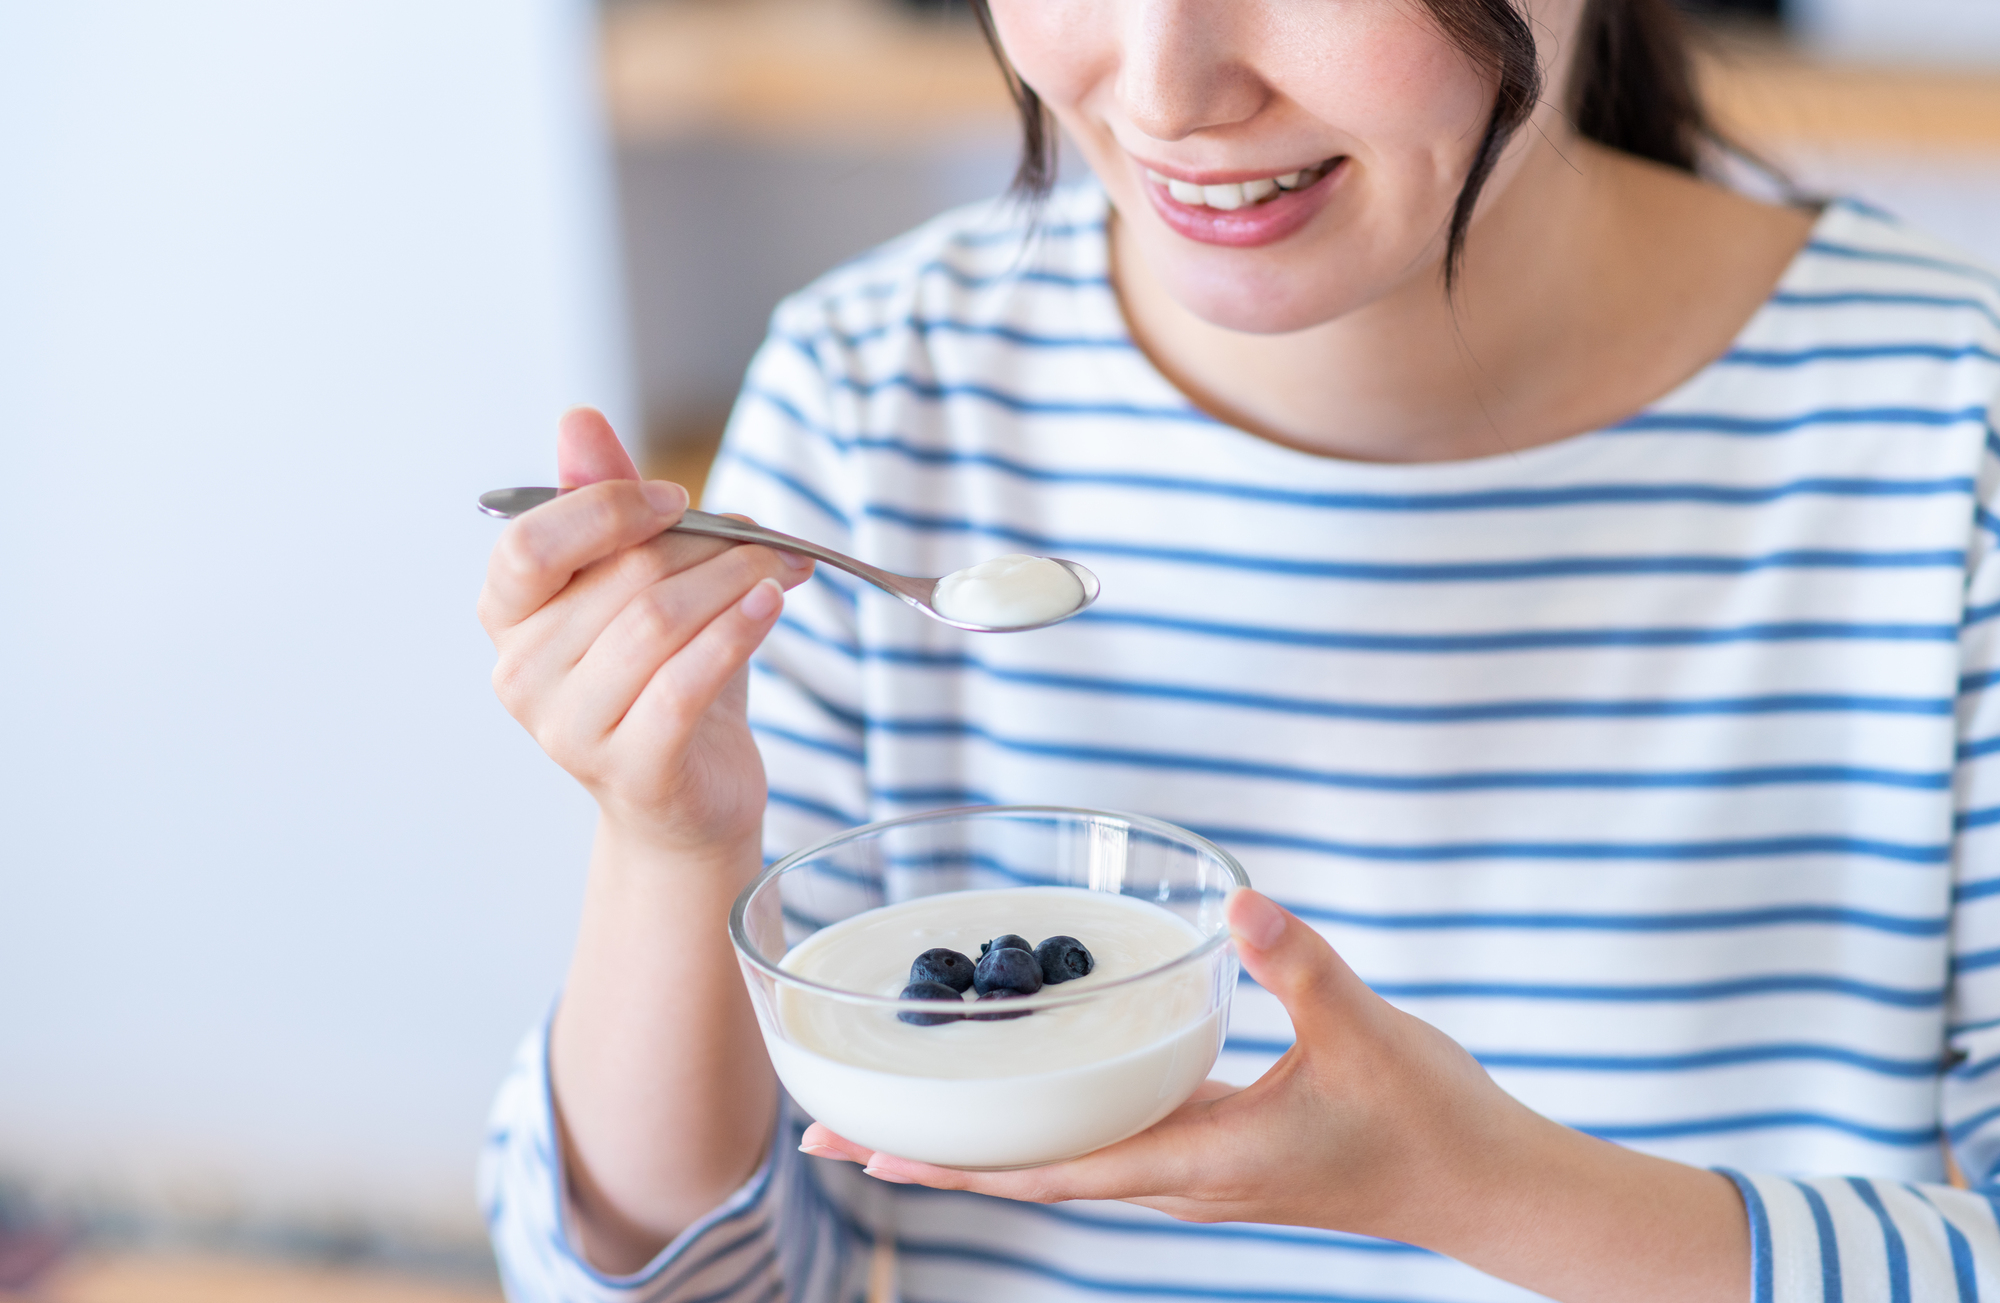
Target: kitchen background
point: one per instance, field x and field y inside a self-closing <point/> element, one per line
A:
<point x="281" y="289"/>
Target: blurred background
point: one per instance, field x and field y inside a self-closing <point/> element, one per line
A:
<point x="282" y="288"/>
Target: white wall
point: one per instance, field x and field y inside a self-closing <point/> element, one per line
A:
<point x="282" y="288"/>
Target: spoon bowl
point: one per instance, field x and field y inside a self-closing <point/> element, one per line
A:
<point x="914" y="591"/>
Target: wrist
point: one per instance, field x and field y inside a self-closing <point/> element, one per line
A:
<point x="643" y="862"/>
<point x="1585" y="1220"/>
<point x="1470" y="1172"/>
<point x="1466" y="1147"/>
<point x="640" y="838"/>
<point x="1477" y="1186"/>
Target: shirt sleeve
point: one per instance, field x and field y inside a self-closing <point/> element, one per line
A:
<point x="781" y="1235"/>
<point x="1837" y="1239"/>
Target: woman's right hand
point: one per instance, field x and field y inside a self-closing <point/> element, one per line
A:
<point x="623" y="649"/>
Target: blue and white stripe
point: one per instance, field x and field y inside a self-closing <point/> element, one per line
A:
<point x="1659" y="766"/>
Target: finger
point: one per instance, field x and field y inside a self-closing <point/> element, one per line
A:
<point x="688" y="684"/>
<point x="539" y="553"/>
<point x="1089" y="1177"/>
<point x="587" y="450"/>
<point x="1166" y="1158"/>
<point x="1289" y="959"/>
<point x="545" y="648"/>
<point x="563" y="630"/>
<point x="802" y="565"/>
<point x="821" y="1141"/>
<point x="656" y="625"/>
<point x="603" y="589"/>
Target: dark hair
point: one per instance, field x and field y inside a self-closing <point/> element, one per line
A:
<point x="1632" y="88"/>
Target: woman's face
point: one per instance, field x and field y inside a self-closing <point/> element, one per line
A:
<point x="1329" y="139"/>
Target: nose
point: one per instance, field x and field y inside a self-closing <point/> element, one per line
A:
<point x="1184" y="68"/>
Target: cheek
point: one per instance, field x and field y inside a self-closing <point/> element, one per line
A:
<point x="1056" y="46"/>
<point x="1385" y="78"/>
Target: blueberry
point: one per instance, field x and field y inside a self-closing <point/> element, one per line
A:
<point x="1063" y="958"/>
<point x="997" y="1016"/>
<point x="927" y="991"/>
<point x="941" y="965"/>
<point x="1007" y="969"/>
<point x="1007" y="942"/>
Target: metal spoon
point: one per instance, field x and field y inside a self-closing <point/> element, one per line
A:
<point x="509" y="503"/>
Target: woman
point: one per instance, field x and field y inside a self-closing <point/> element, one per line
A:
<point x="1563" y="582"/>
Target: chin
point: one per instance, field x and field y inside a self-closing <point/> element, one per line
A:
<point x="1292" y="286"/>
<point x="1262" y="304"/>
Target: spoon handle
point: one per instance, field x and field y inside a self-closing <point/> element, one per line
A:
<point x="917" y="591"/>
<point x="508" y="503"/>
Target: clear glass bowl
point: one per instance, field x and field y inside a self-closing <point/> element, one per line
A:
<point x="1078" y="1065"/>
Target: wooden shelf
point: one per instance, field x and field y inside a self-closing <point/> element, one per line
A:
<point x="796" y="70"/>
<point x="1776" y="97"/>
<point x="860" y="70"/>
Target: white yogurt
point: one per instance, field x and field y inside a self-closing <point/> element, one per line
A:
<point x="1055" y="1084"/>
<point x="1008" y="591"/>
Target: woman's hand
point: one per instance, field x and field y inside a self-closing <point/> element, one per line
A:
<point x="1325" y="1138"/>
<point x="623" y="649"/>
<point x="1376" y="1123"/>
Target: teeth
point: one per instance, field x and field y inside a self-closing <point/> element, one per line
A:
<point x="1225" y="197"/>
<point x="1229" y="198"/>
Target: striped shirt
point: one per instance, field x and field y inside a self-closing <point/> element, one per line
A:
<point x="1659" y="766"/>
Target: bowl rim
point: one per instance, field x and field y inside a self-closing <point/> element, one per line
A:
<point x="748" y="954"/>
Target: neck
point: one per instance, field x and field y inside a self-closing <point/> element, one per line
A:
<point x="1592" y="284"/>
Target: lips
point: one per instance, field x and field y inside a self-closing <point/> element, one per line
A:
<point x="1242" y="212"/>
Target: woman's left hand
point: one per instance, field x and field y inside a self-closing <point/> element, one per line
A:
<point x="1331" y="1136"/>
<point x="1376" y="1123"/>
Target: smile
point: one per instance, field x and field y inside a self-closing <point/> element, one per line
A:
<point x="1241" y="213"/>
<point x="1240" y="194"/>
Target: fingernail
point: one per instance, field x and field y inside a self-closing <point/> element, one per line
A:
<point x="1255" y="920"/>
<point x="818" y="1151"/>
<point x="793" y="559"/>
<point x="763" y="601"/>
<point x="890" y="1177"/>
<point x="665" y="497"/>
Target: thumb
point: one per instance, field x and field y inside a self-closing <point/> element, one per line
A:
<point x="587" y="451"/>
<point x="1293" y="962"/>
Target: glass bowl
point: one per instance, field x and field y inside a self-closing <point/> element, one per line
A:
<point x="1040" y="1078"/>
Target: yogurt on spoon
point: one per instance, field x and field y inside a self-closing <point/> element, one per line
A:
<point x="1008" y="591"/>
